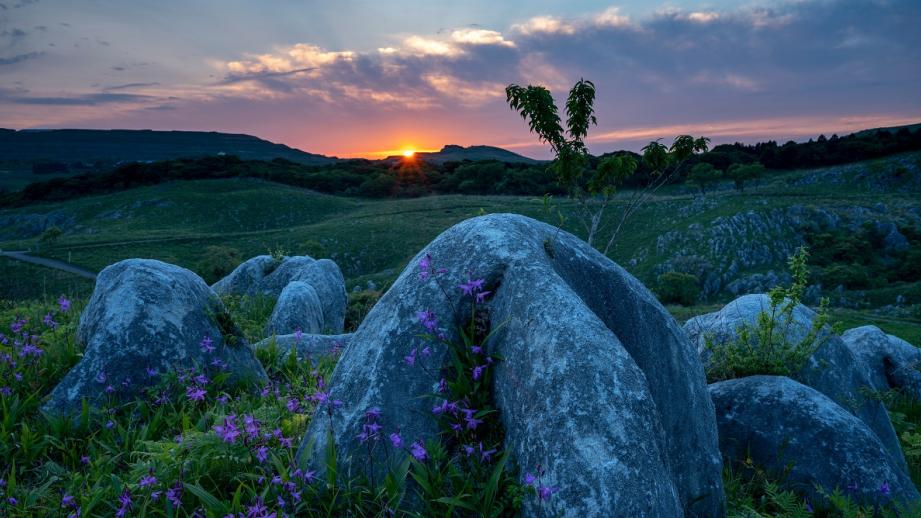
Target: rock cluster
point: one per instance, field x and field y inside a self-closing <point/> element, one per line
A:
<point x="311" y="293"/>
<point x="768" y="416"/>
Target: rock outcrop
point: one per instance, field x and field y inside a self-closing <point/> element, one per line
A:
<point x="144" y="319"/>
<point x="265" y="275"/>
<point x="598" y="384"/>
<point x="806" y="440"/>
<point x="889" y="361"/>
<point x="832" y="369"/>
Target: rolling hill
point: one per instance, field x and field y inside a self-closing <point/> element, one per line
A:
<point x="87" y="146"/>
<point x="454" y="153"/>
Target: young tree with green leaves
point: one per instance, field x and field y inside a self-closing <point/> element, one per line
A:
<point x="594" y="189"/>
<point x="703" y="176"/>
<point x="741" y="173"/>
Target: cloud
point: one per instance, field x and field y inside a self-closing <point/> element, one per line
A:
<point x="12" y="60"/>
<point x="820" y="64"/>
<point x="544" y="25"/>
<point x="92" y="99"/>
<point x="132" y="86"/>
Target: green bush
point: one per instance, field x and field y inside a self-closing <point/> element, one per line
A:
<point x="765" y="348"/>
<point x="678" y="288"/>
<point x="217" y="262"/>
<point x="360" y="303"/>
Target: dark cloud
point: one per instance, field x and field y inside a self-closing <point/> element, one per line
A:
<point x="81" y="100"/>
<point x="128" y="86"/>
<point x="20" y="58"/>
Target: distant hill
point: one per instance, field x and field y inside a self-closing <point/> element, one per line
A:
<point x="454" y="153"/>
<point x="69" y="146"/>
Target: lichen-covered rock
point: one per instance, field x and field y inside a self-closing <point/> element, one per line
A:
<point x="889" y="361"/>
<point x="146" y="314"/>
<point x="793" y="430"/>
<point x="307" y="347"/>
<point x="298" y="308"/>
<point x="597" y="384"/>
<point x="245" y="279"/>
<point x="832" y="369"/>
<point x="265" y="275"/>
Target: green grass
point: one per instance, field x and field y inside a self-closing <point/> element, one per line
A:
<point x="24" y="281"/>
<point x="374" y="239"/>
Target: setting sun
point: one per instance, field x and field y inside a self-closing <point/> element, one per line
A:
<point x="409" y="153"/>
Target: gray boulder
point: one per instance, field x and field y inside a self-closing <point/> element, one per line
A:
<point x="298" y="307"/>
<point x="264" y="275"/>
<point x="146" y="314"/>
<point x="889" y="361"/>
<point x="307" y="347"/>
<point x="598" y="384"/>
<point x="833" y="369"/>
<point x="807" y="439"/>
<point x="245" y="279"/>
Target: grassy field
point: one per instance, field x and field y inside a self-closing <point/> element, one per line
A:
<point x="369" y="239"/>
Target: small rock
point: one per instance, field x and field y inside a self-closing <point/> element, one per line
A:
<point x="298" y="307"/>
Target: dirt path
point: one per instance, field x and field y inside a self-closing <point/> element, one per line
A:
<point x="50" y="263"/>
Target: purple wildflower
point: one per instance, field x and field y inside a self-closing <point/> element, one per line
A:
<point x="174" y="494"/>
<point x="418" y="451"/>
<point x="147" y="481"/>
<point x="884" y="489"/>
<point x="262" y="453"/>
<point x="64" y="304"/>
<point x="228" y="431"/>
<point x="410" y="359"/>
<point x="428" y="319"/>
<point x="49" y="321"/>
<point x="195" y="393"/>
<point x="478" y="371"/>
<point x="298" y="334"/>
<point x="545" y="492"/>
<point x="443" y="386"/>
<point x="124" y="503"/>
<point x="207" y="345"/>
<point x="250" y="425"/>
<point x="396" y="440"/>
<point x="293" y="405"/>
<point x="529" y="479"/>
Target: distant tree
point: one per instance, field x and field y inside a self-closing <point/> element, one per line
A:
<point x="741" y="173"/>
<point x="217" y="262"/>
<point x="50" y="235"/>
<point x="704" y="175"/>
<point x="594" y="189"/>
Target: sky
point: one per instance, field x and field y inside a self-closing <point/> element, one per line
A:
<point x="373" y="77"/>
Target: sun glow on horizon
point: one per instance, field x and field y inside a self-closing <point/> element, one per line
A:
<point x="409" y="153"/>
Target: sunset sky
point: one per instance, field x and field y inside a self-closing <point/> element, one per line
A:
<point x="371" y="77"/>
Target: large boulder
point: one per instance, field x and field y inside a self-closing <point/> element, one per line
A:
<point x="298" y="308"/>
<point x="598" y="384"/>
<point x="832" y="369"/>
<point x="889" y="361"/>
<point x="265" y="275"/>
<point x="806" y="439"/>
<point x="306" y="347"/>
<point x="147" y="316"/>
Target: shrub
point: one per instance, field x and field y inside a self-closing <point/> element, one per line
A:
<point x="360" y="303"/>
<point x="765" y="347"/>
<point x="314" y="249"/>
<point x="678" y="288"/>
<point x="217" y="262"/>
